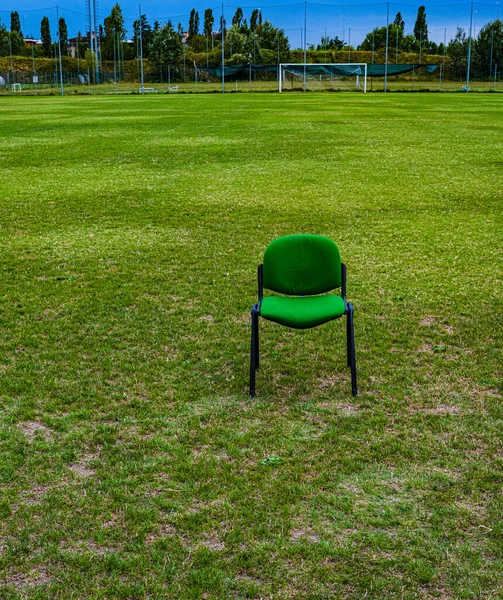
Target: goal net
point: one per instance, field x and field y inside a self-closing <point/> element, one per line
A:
<point x="322" y="77"/>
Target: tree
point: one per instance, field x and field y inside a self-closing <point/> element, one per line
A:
<point x="16" y="43"/>
<point x="255" y="19"/>
<point x="147" y="36"/>
<point x="167" y="47"/>
<point x="328" y="43"/>
<point x="81" y="45"/>
<point x="409" y="43"/>
<point x="252" y="48"/>
<point x="376" y="39"/>
<point x="4" y="40"/>
<point x="193" y="23"/>
<point x="237" y="19"/>
<point x="90" y="57"/>
<point x="15" y="23"/>
<point x="114" y="32"/>
<point x="45" y="34"/>
<point x="235" y="40"/>
<point x="272" y="38"/>
<point x="488" y="48"/>
<point x="420" y="26"/>
<point x="399" y="22"/>
<point x="63" y="36"/>
<point x="457" y="50"/>
<point x="209" y="21"/>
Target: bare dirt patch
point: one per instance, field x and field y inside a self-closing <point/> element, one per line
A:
<point x="35" y="496"/>
<point x="441" y="409"/>
<point x="32" y="429"/>
<point x="85" y="546"/>
<point x="297" y="534"/>
<point x="82" y="467"/>
<point x="213" y="543"/>
<point x="242" y="319"/>
<point x="427" y="321"/>
<point x="328" y="383"/>
<point x="36" y="577"/>
<point x="425" y="349"/>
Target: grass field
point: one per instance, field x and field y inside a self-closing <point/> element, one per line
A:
<point x="132" y="462"/>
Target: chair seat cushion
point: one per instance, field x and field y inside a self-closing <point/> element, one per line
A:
<point x="302" y="312"/>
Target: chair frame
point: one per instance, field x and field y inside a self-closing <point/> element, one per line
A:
<point x="350" y="331"/>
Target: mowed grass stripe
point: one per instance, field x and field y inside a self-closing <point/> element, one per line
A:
<point x="131" y="459"/>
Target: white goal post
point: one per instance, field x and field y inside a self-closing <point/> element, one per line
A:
<point x="313" y="71"/>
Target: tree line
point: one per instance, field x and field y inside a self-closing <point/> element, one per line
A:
<point x="246" y="41"/>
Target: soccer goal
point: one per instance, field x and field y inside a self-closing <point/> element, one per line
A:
<point x="322" y="77"/>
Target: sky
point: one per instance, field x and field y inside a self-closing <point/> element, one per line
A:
<point x="350" y="21"/>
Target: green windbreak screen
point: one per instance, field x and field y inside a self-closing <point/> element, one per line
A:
<point x="239" y="69"/>
<point x="376" y="70"/>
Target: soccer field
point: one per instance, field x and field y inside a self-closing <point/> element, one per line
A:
<point x="133" y="463"/>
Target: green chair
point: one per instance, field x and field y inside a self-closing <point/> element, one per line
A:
<point x="302" y="268"/>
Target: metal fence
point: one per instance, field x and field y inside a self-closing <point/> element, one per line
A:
<point x="186" y="78"/>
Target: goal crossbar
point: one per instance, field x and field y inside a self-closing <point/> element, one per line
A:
<point x="327" y="69"/>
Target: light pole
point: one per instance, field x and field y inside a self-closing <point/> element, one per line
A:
<point x="343" y="30"/>
<point x="222" y="33"/>
<point x="491" y="57"/>
<point x="305" y="45"/>
<point x="60" y="61"/>
<point x="469" y="55"/>
<point x="387" y="49"/>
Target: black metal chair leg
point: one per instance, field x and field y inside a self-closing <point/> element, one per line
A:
<point x="257" y="352"/>
<point x="253" y="351"/>
<point x="354" y="386"/>
<point x="348" y="337"/>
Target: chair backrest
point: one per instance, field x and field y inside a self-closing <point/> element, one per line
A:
<point x="302" y="265"/>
